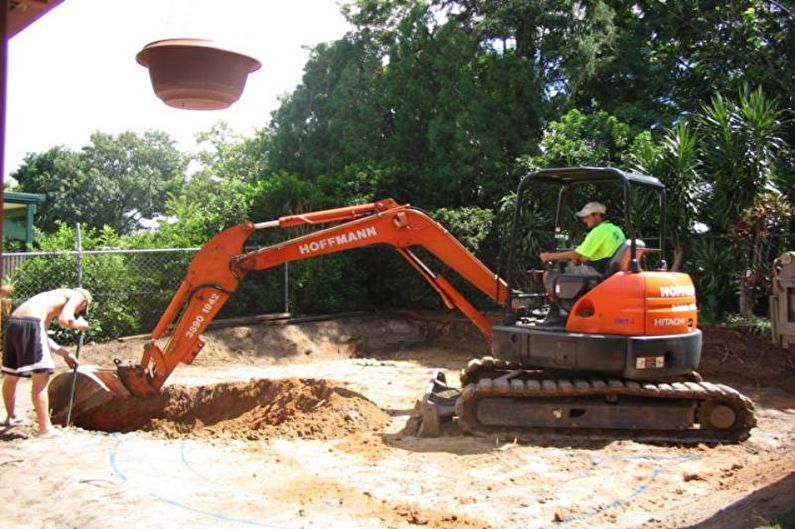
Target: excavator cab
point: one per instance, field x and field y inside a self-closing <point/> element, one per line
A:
<point x="569" y="282"/>
<point x="626" y="322"/>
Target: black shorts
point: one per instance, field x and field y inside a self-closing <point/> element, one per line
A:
<point x="26" y="349"/>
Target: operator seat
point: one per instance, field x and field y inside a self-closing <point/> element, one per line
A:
<point x="620" y="260"/>
<point x="568" y="288"/>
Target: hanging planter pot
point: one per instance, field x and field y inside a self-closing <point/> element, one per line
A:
<point x="196" y="74"/>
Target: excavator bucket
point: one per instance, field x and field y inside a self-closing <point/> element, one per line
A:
<point x="94" y="387"/>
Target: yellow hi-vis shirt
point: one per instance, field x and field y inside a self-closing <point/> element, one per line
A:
<point x="601" y="242"/>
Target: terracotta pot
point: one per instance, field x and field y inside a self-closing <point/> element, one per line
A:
<point x="196" y="74"/>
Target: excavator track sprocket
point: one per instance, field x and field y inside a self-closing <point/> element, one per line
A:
<point x="522" y="403"/>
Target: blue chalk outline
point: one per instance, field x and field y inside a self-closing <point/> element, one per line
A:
<point x="218" y="516"/>
<point x="617" y="502"/>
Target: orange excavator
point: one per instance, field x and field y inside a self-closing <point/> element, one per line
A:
<point x="620" y="364"/>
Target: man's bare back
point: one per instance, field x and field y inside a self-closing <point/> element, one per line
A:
<point x="61" y="302"/>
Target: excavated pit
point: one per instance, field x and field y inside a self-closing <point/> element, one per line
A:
<point x="254" y="410"/>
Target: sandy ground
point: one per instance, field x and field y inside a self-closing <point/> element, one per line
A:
<point x="374" y="477"/>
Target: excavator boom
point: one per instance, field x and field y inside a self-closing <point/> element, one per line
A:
<point x="220" y="265"/>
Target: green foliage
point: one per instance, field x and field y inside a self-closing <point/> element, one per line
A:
<point x="433" y="117"/>
<point x="578" y="139"/>
<point x="205" y="205"/>
<point x="229" y="157"/>
<point x="333" y="117"/>
<point x="713" y="267"/>
<point x="754" y="239"/>
<point x="13" y="245"/>
<point x="674" y="160"/>
<point x="740" y="145"/>
<point x="752" y="324"/>
<point x="535" y="228"/>
<point x="469" y="225"/>
<point x="283" y="194"/>
<point x="114" y="181"/>
<point x="109" y="277"/>
<point x="670" y="58"/>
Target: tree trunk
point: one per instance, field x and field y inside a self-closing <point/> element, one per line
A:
<point x="679" y="256"/>
<point x="746" y="295"/>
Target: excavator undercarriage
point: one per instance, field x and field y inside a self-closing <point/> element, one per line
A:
<point x="499" y="397"/>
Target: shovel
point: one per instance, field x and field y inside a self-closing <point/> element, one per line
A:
<point x="74" y="381"/>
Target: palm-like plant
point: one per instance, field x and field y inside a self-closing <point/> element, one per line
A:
<point x="675" y="161"/>
<point x="741" y="142"/>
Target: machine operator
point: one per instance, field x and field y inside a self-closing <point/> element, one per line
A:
<point x="599" y="245"/>
<point x="593" y="254"/>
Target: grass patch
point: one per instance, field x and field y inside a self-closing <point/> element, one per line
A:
<point x="785" y="521"/>
<point x="752" y="324"/>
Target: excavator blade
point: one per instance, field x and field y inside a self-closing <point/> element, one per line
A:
<point x="434" y="409"/>
<point x="94" y="387"/>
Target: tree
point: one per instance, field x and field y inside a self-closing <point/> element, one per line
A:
<point x="332" y="118"/>
<point x="597" y="139"/>
<point x="232" y="156"/>
<point x="202" y="208"/>
<point x="114" y="181"/>
<point x="753" y="236"/>
<point x="741" y="142"/>
<point x="437" y="116"/>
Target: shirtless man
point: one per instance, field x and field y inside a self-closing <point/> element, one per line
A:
<point x="27" y="350"/>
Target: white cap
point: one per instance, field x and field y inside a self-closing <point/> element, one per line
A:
<point x="592" y="207"/>
<point x="86" y="296"/>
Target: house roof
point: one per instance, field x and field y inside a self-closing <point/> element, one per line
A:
<point x="15" y="197"/>
<point x="22" y="13"/>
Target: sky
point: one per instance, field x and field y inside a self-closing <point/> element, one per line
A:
<point x="73" y="72"/>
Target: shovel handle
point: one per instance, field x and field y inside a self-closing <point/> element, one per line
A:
<point x="74" y="381"/>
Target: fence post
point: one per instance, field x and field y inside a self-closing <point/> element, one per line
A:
<point x="79" y="248"/>
<point x="79" y="245"/>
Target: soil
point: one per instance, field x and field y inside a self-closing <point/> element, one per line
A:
<point x="745" y="357"/>
<point x="258" y="409"/>
<point x="294" y="426"/>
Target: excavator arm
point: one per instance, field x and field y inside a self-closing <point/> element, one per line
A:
<point x="221" y="264"/>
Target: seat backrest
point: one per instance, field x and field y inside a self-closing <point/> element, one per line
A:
<point x="620" y="259"/>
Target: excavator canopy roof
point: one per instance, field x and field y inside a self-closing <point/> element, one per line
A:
<point x="595" y="175"/>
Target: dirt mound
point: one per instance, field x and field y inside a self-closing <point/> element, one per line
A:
<point x="258" y="409"/>
<point x="733" y="354"/>
<point x="300" y="341"/>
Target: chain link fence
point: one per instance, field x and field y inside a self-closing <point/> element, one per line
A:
<point x="132" y="288"/>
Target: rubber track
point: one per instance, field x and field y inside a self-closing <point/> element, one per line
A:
<point x="702" y="392"/>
